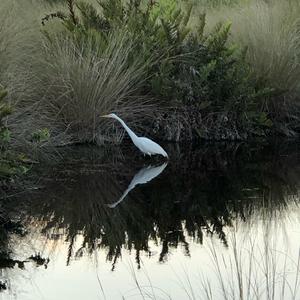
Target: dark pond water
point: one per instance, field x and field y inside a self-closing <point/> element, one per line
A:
<point x="215" y="222"/>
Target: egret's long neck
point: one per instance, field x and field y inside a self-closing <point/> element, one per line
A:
<point x="132" y="135"/>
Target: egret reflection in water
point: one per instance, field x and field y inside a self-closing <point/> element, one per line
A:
<point x="143" y="176"/>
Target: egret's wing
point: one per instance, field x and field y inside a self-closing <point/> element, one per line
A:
<point x="152" y="147"/>
<point x="144" y="175"/>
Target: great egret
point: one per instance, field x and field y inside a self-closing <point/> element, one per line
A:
<point x="146" y="145"/>
<point x="144" y="175"/>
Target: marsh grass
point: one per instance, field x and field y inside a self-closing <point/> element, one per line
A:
<point x="253" y="269"/>
<point x="21" y="36"/>
<point x="245" y="272"/>
<point x="269" y="31"/>
<point x="84" y="85"/>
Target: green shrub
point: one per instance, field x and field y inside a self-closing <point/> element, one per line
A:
<point x="41" y="135"/>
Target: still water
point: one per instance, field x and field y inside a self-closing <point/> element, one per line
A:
<point x="216" y="222"/>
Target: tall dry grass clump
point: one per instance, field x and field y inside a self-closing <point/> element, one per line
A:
<point x="81" y="84"/>
<point x="5" y="38"/>
<point x="20" y="41"/>
<point x="271" y="32"/>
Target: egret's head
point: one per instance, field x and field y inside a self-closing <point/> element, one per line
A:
<point x="109" y="116"/>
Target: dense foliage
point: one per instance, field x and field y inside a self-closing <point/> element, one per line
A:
<point x="166" y="67"/>
<point x="192" y="71"/>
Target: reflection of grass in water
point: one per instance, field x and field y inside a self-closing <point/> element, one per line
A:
<point x="246" y="185"/>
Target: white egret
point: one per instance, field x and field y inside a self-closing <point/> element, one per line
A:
<point x="145" y="145"/>
<point x="143" y="176"/>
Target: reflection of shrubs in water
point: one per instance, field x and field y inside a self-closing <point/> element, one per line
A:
<point x="39" y="260"/>
<point x="212" y="187"/>
<point x="9" y="227"/>
<point x="7" y="262"/>
<point x="3" y="285"/>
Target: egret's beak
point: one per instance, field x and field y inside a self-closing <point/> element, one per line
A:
<point x="105" y="116"/>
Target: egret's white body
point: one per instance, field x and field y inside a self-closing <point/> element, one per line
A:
<point x="145" y="145"/>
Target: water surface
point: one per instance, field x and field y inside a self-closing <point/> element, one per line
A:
<point x="215" y="221"/>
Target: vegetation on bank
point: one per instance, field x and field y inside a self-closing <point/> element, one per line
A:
<point x="176" y="70"/>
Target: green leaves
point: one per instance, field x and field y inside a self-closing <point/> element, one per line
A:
<point x="217" y="40"/>
<point x="4" y="136"/>
<point x="41" y="135"/>
<point x="90" y="19"/>
<point x="11" y="166"/>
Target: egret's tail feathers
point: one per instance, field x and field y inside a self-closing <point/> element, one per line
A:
<point x="165" y="154"/>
